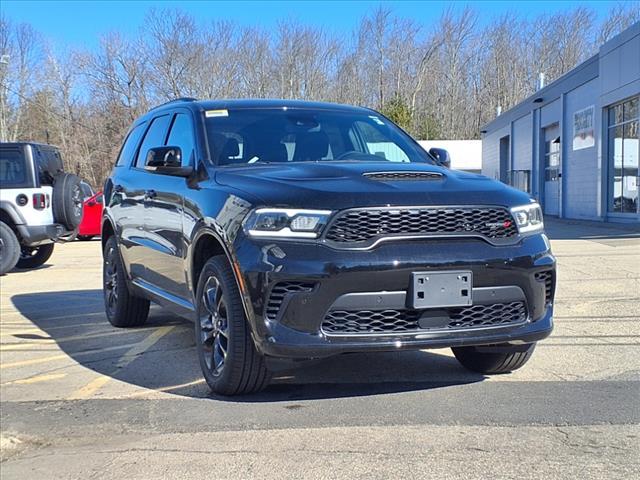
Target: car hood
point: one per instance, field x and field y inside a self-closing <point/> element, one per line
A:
<point x="338" y="185"/>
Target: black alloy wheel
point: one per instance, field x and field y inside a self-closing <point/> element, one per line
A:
<point x="110" y="280"/>
<point x="123" y="308"/>
<point x="228" y="357"/>
<point x="214" y="327"/>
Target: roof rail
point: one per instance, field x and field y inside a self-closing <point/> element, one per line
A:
<point x="176" y="100"/>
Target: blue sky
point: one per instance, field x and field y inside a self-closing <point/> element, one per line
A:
<point x="80" y="23"/>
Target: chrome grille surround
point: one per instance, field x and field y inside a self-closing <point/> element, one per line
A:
<point x="365" y="226"/>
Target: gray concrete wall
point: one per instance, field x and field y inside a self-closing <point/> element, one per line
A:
<point x="550" y="113"/>
<point x="491" y="152"/>
<point x="607" y="78"/>
<point x="580" y="167"/>
<point x="619" y="69"/>
<point x="522" y="145"/>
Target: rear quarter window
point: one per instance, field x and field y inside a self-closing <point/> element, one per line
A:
<point x="155" y="137"/>
<point x="130" y="145"/>
<point x="48" y="163"/>
<point x="13" y="169"/>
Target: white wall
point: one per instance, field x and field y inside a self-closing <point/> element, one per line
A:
<point x="465" y="154"/>
<point x="491" y="152"/>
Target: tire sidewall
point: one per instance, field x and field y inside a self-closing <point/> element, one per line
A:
<point x="43" y="253"/>
<point x="10" y="249"/>
<point x="65" y="187"/>
<point x="121" y="283"/>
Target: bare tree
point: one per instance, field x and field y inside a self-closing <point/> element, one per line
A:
<point x="443" y="80"/>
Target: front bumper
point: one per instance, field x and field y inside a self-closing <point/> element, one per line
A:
<point x="294" y="331"/>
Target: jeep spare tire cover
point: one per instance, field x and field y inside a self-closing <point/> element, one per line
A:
<point x="67" y="200"/>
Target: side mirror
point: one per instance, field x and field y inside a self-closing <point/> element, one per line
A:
<point x="92" y="203"/>
<point x="442" y="156"/>
<point x="166" y="161"/>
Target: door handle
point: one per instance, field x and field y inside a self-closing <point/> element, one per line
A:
<point x="149" y="194"/>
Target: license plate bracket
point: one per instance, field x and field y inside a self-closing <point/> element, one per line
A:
<point x="451" y="288"/>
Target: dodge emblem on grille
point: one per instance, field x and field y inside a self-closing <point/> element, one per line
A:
<point x="493" y="225"/>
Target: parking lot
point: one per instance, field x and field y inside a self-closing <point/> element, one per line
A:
<point x="81" y="399"/>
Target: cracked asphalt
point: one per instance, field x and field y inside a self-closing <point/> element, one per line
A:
<point x="80" y="399"/>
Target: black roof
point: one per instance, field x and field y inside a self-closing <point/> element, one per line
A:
<point x="34" y="144"/>
<point x="257" y="103"/>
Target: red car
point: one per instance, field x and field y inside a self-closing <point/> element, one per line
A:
<point x="91" y="216"/>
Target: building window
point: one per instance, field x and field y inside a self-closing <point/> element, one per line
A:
<point x="552" y="159"/>
<point x="624" y="151"/>
<point x="520" y="179"/>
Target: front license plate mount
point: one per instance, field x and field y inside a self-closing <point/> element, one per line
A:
<point x="441" y="289"/>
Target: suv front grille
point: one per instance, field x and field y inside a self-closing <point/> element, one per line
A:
<point x="278" y="293"/>
<point x="340" y="322"/>
<point x="361" y="225"/>
<point x="547" y="278"/>
<point x="403" y="176"/>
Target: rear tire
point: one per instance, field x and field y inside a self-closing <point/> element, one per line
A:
<point x="67" y="200"/>
<point x="33" y="257"/>
<point x="122" y="307"/>
<point x="494" y="360"/>
<point x="230" y="363"/>
<point x="9" y="249"/>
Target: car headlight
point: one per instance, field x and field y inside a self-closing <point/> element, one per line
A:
<point x="286" y="223"/>
<point x="528" y="218"/>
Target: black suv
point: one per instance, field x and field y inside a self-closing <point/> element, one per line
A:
<point x="294" y="230"/>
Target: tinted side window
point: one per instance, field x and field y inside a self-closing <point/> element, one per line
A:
<point x="13" y="168"/>
<point x="48" y="163"/>
<point x="181" y="135"/>
<point x="153" y="138"/>
<point x="130" y="145"/>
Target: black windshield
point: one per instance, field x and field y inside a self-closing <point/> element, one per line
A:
<point x="248" y="136"/>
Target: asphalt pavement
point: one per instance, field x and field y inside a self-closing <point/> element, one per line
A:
<point x="81" y="399"/>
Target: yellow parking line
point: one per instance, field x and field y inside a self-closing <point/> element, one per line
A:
<point x="163" y="389"/>
<point x="52" y="358"/>
<point x="6" y="332"/>
<point x="49" y="341"/>
<point x="6" y="327"/>
<point x="36" y="379"/>
<point x="129" y="356"/>
<point x="90" y="388"/>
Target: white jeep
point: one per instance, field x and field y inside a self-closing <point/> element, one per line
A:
<point x="39" y="204"/>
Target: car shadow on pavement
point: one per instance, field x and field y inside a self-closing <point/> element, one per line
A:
<point x="35" y="269"/>
<point x="161" y="355"/>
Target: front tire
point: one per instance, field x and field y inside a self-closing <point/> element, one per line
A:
<point x="122" y="307"/>
<point x="230" y="363"/>
<point x="33" y="257"/>
<point x="494" y="360"/>
<point x="9" y="249"/>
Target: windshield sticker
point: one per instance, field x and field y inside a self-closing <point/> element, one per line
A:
<point x="216" y="113"/>
<point x="376" y="119"/>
